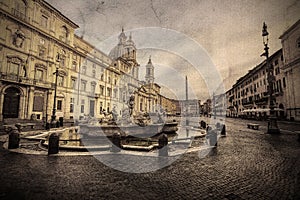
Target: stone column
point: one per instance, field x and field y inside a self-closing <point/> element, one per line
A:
<point x="30" y="102"/>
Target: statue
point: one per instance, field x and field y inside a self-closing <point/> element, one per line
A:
<point x="130" y="103"/>
<point x="18" y="38"/>
<point x="114" y="114"/>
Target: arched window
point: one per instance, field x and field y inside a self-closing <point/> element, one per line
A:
<point x="40" y="72"/>
<point x="64" y="33"/>
<point x="16" y="66"/>
<point x="20" y="9"/>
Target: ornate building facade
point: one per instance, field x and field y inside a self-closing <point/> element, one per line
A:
<point x="290" y="40"/>
<point x="249" y="96"/>
<point x="36" y="39"/>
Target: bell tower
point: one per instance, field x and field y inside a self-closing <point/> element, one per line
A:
<point x="149" y="77"/>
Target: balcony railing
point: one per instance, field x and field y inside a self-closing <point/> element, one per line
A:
<point x="24" y="80"/>
<point x="260" y="101"/>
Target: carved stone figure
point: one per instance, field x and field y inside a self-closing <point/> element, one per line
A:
<point x="18" y="38"/>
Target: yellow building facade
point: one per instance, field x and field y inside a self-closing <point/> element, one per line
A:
<point x="35" y="40"/>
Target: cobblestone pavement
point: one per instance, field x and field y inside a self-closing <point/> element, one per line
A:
<point x="247" y="164"/>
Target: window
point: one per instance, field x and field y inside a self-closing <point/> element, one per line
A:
<point x="108" y="92"/>
<point x="82" y="106"/>
<point x="73" y="83"/>
<point x="60" y="81"/>
<point x="72" y="105"/>
<point x="115" y="93"/>
<point x="109" y="80"/>
<point x="62" y="61"/>
<point x="20" y="9"/>
<point x="64" y="33"/>
<point x="83" y="70"/>
<point x="75" y="56"/>
<point x="44" y="21"/>
<point x="71" y="108"/>
<point x="74" y="65"/>
<point x="59" y="105"/>
<point x="83" y="85"/>
<point x="93" y="87"/>
<point x="298" y="43"/>
<point x="276" y="62"/>
<point x="101" y="90"/>
<point x="283" y="82"/>
<point x="102" y="77"/>
<point x="13" y="68"/>
<point x="39" y="74"/>
<point x="94" y="73"/>
<point x="101" y="107"/>
<point x="38" y="102"/>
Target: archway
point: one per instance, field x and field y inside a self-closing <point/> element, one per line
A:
<point x="11" y="103"/>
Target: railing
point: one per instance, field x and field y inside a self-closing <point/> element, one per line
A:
<point x="263" y="100"/>
<point x="24" y="80"/>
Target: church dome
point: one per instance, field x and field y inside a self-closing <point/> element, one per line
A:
<point x="117" y="51"/>
<point x="122" y="48"/>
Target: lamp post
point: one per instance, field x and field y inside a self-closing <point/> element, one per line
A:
<point x="272" y="121"/>
<point x="53" y="117"/>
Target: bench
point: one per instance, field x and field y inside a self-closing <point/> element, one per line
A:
<point x="20" y="126"/>
<point x="253" y="126"/>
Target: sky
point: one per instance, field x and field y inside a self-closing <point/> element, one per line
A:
<point x="212" y="42"/>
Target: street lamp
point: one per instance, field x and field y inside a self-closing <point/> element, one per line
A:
<point x="272" y="122"/>
<point x="53" y="117"/>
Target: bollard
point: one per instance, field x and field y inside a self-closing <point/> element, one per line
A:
<point x="212" y="137"/>
<point x="163" y="145"/>
<point x="116" y="142"/>
<point x="61" y="121"/>
<point x="13" y="139"/>
<point x="223" y="131"/>
<point x="53" y="144"/>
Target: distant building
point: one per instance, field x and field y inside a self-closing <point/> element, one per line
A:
<point x="189" y="107"/>
<point x="249" y="96"/>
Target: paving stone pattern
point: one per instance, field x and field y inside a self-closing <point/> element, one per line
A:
<point x="247" y="164"/>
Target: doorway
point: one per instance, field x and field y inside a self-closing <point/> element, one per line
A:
<point x="92" y="108"/>
<point x="11" y="103"/>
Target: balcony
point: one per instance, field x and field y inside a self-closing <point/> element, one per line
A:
<point x="24" y="80"/>
<point x="261" y="101"/>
